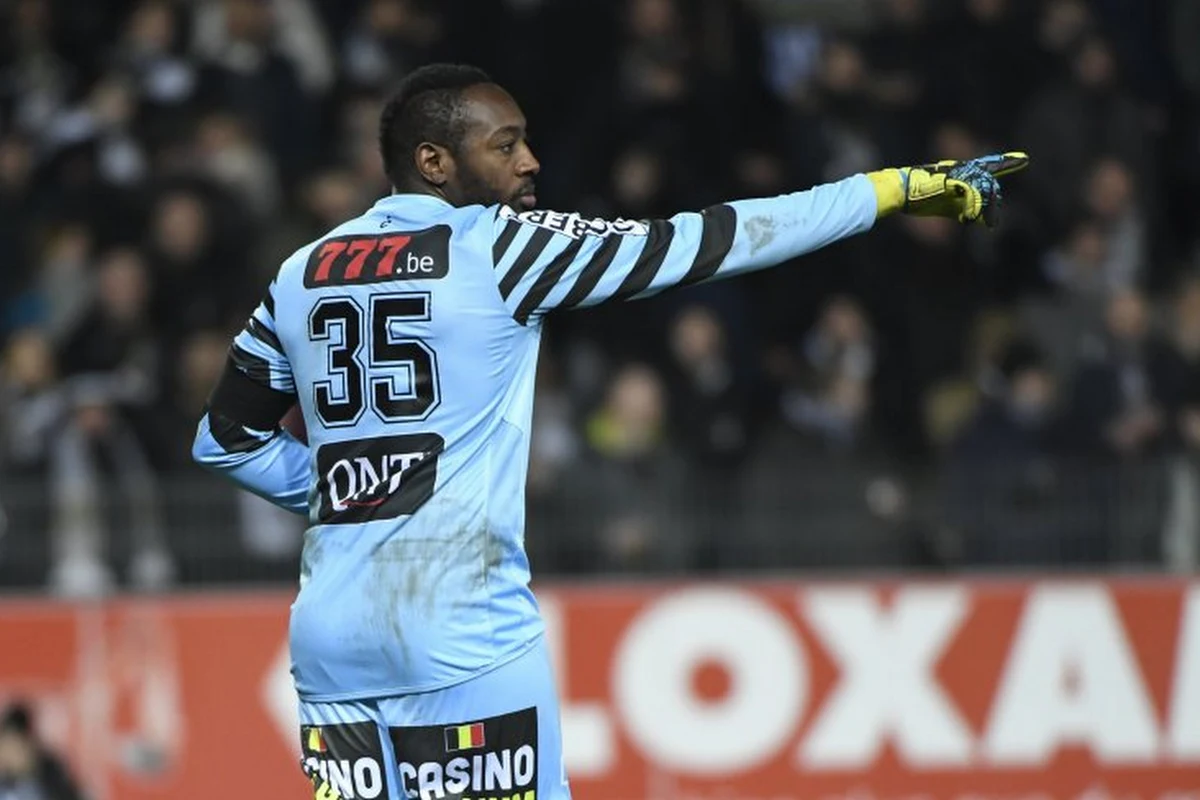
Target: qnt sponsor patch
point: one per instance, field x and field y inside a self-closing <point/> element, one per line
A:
<point x="486" y="759"/>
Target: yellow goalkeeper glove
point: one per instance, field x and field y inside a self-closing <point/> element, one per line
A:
<point x="967" y="191"/>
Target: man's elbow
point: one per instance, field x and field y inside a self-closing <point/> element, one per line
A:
<point x="205" y="450"/>
<point x="199" y="454"/>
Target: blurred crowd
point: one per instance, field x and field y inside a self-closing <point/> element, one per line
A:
<point x="922" y="396"/>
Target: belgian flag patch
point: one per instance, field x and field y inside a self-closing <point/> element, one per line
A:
<point x="464" y="737"/>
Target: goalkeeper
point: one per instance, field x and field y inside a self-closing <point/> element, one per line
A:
<point x="409" y="338"/>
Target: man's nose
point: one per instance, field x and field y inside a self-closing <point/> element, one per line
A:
<point x="528" y="165"/>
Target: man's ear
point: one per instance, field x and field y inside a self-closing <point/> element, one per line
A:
<point x="434" y="162"/>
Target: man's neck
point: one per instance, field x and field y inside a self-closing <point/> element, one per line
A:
<point x="421" y="187"/>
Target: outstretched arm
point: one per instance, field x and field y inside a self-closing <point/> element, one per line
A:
<point x="547" y="259"/>
<point x="239" y="434"/>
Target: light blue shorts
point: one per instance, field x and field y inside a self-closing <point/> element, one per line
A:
<point x="494" y="736"/>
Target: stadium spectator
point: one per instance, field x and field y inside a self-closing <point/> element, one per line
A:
<point x="1126" y="393"/>
<point x="1004" y="470"/>
<point x="711" y="420"/>
<point x="112" y="365"/>
<point x="387" y="39"/>
<point x="830" y="375"/>
<point x="254" y="62"/>
<point x="625" y="493"/>
<point x="1124" y="400"/>
<point x="1073" y="122"/>
<point x="29" y="770"/>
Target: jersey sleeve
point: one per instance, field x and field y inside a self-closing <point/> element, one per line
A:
<point x="239" y="434"/>
<point x="546" y="259"/>
<point x="258" y="352"/>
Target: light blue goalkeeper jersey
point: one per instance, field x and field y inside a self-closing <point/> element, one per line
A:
<point x="410" y="337"/>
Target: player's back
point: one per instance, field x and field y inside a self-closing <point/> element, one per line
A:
<point x="410" y="336"/>
<point x="416" y="387"/>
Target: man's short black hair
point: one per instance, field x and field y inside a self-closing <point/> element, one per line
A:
<point x="426" y="107"/>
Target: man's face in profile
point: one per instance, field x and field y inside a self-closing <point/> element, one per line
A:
<point x="494" y="163"/>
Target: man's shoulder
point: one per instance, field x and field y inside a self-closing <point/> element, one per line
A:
<point x="296" y="260"/>
<point x="398" y="219"/>
<point x="387" y="242"/>
<point x="390" y="237"/>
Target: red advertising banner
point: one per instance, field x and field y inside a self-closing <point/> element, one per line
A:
<point x="962" y="690"/>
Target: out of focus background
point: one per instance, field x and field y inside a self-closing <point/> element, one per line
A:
<point x="926" y="402"/>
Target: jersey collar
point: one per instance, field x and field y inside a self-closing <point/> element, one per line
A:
<point x="408" y="200"/>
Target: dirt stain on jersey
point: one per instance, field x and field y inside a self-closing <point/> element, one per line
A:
<point x="311" y="554"/>
<point x="420" y="579"/>
<point x="493" y="556"/>
<point x="761" y="230"/>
